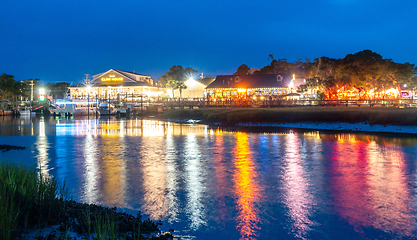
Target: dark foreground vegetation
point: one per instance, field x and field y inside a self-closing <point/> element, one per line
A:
<point x="30" y="202"/>
<point x="5" y="147"/>
<point x="232" y="116"/>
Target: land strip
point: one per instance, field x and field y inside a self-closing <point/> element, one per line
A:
<point x="329" y="118"/>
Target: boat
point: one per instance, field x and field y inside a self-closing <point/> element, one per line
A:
<point x="106" y="109"/>
<point x="70" y="108"/>
<point x="26" y="112"/>
<point x="123" y="111"/>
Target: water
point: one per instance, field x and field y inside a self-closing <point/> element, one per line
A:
<point x="209" y="183"/>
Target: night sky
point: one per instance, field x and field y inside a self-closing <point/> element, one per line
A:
<point x="64" y="40"/>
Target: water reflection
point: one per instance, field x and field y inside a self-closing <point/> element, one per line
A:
<point x="153" y="168"/>
<point x="194" y="185"/>
<point x="210" y="180"/>
<point x="172" y="179"/>
<point x="369" y="185"/>
<point x="223" y="185"/>
<point x="295" y="186"/>
<point x="91" y="176"/>
<point x="247" y="189"/>
<point x="113" y="171"/>
<point x="42" y="147"/>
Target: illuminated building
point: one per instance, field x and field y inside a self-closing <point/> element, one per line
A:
<point x="117" y="84"/>
<point x="251" y="86"/>
<point x="195" y="88"/>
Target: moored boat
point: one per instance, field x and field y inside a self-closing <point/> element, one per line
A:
<point x="106" y="109"/>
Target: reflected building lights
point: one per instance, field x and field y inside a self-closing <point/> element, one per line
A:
<point x="366" y="179"/>
<point x="91" y="173"/>
<point x="113" y="171"/>
<point x="297" y="196"/>
<point x="42" y="147"/>
<point x="372" y="178"/>
<point x="223" y="184"/>
<point x="122" y="128"/>
<point x="247" y="190"/>
<point x="195" y="208"/>
<point x="154" y="172"/>
<point x="172" y="179"/>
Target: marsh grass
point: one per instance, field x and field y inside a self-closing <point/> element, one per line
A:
<point x="105" y="227"/>
<point x="376" y="115"/>
<point x="30" y="201"/>
<point x="25" y="194"/>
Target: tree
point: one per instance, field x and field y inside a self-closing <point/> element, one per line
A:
<point x="300" y="68"/>
<point x="7" y="87"/>
<point x="242" y="70"/>
<point x="58" y="90"/>
<point x="174" y="84"/>
<point x="177" y="73"/>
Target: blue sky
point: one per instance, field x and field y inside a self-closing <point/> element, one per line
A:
<point x="63" y="40"/>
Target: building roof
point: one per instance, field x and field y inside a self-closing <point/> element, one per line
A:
<point x="206" y="81"/>
<point x="115" y="77"/>
<point x="252" y="81"/>
<point x="125" y="73"/>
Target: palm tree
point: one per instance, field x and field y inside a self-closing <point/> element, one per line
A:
<point x="174" y="84"/>
<point x="181" y="86"/>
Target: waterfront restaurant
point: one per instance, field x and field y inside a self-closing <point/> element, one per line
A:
<point x="117" y="84"/>
<point x="195" y="89"/>
<point x="263" y="86"/>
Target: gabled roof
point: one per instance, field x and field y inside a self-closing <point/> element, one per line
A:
<point x="252" y="81"/>
<point x="129" y="79"/>
<point x="124" y="73"/>
<point x="205" y="81"/>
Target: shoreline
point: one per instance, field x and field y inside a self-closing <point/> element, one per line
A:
<point x="340" y="126"/>
<point x="313" y="126"/>
<point x="380" y="120"/>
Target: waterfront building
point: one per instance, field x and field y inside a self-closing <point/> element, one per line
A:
<point x="275" y="86"/>
<point x="116" y="84"/>
<point x="196" y="89"/>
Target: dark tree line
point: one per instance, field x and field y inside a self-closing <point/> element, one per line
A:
<point x="364" y="70"/>
<point x="13" y="90"/>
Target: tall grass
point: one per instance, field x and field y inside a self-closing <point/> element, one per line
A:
<point x="370" y="115"/>
<point x="29" y="200"/>
<point x="105" y="227"/>
<point x="26" y="198"/>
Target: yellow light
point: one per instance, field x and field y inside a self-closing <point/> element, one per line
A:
<point x="241" y="90"/>
<point x="111" y="77"/>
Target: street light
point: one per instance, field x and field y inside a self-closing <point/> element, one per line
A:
<point x="41" y="94"/>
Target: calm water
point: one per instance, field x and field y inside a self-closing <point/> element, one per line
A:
<point x="208" y="183"/>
